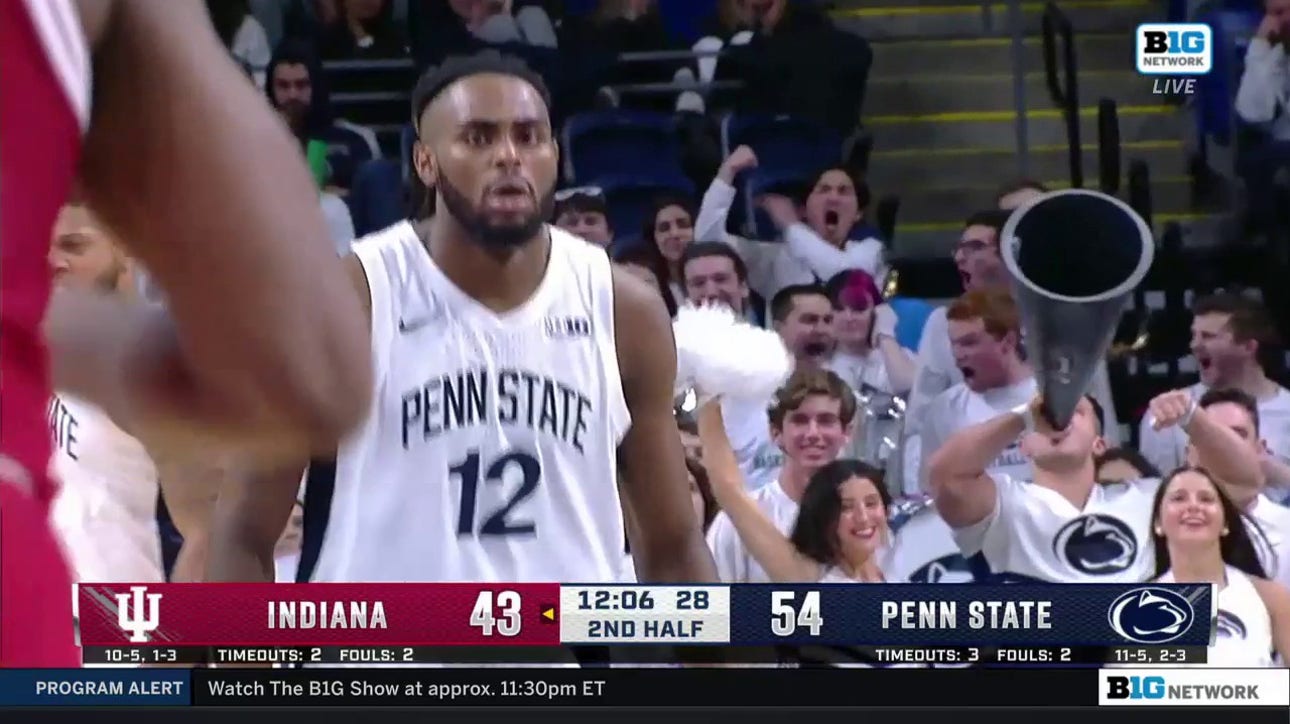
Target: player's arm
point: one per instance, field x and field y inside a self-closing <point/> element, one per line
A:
<point x="965" y="493"/>
<point x="209" y="190"/>
<point x="255" y="504"/>
<point x="669" y="547"/>
<point x="190" y="487"/>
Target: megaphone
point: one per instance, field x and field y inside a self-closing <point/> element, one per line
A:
<point x="1075" y="257"/>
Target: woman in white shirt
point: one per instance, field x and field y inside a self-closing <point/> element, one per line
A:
<point x="1199" y="538"/>
<point x="868" y="355"/>
<point x="669" y="229"/>
<point x="841" y="527"/>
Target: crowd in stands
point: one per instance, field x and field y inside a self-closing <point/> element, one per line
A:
<point x="726" y="163"/>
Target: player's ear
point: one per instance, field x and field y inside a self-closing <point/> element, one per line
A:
<point x="1099" y="446"/>
<point x="423" y="161"/>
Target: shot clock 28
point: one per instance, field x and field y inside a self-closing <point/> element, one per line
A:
<point x="794" y="610"/>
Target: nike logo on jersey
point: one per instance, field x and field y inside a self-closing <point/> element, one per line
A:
<point x="408" y="326"/>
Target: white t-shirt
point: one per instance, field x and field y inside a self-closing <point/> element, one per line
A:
<point x="958" y="408"/>
<point x="1244" y="636"/>
<point x="859" y="371"/>
<point x="1035" y="534"/>
<point x="734" y="563"/>
<point x="936" y="372"/>
<point x="923" y="550"/>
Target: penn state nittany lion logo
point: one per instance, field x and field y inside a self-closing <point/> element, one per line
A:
<point x="1096" y="545"/>
<point x="946" y="569"/>
<point x="1230" y="625"/>
<point x="1150" y="616"/>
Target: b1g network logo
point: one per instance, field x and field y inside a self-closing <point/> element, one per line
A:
<point x="1175" y="49"/>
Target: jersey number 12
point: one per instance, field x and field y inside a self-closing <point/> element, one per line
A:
<point x="497" y="521"/>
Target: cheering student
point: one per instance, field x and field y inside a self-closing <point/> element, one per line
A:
<point x="1064" y="527"/>
<point x="841" y="525"/>
<point x="1199" y="539"/>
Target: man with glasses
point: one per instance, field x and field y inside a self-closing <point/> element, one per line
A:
<point x="582" y="211"/>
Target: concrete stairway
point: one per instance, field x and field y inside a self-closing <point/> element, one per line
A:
<point x="941" y="106"/>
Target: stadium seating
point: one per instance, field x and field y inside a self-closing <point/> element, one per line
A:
<point x="1216" y="121"/>
<point x="781" y="142"/>
<point x="604" y="143"/>
<point x="629" y="197"/>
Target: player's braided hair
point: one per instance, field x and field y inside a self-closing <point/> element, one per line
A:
<point x="436" y="79"/>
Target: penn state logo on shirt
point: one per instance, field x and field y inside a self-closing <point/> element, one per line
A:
<point x="1150" y="615"/>
<point x="946" y="569"/>
<point x="1230" y="625"/>
<point x="1096" y="545"/>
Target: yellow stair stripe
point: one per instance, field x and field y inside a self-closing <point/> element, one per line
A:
<point x="997" y="116"/>
<point x="902" y="228"/>
<point x="993" y="8"/>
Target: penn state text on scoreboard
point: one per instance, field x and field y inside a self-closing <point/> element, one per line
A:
<point x="414" y="623"/>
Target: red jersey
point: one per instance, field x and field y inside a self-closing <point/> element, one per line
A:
<point x="44" y="107"/>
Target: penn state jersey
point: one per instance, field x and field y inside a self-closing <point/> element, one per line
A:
<point x="1035" y="534"/>
<point x="922" y="548"/>
<point x="1244" y="631"/>
<point x="106" y="506"/>
<point x="489" y="453"/>
<point x="960" y="407"/>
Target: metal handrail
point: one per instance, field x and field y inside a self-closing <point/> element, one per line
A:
<point x="1064" y="89"/>
<point x="1109" y="161"/>
<point x="1017" y="28"/>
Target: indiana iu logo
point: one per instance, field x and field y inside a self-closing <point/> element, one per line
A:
<point x="139" y="617"/>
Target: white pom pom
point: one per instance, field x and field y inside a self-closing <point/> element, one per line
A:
<point x="721" y="355"/>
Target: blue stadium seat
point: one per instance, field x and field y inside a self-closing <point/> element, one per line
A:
<point x="606" y="143"/>
<point x="1216" y="91"/>
<point x="781" y="142"/>
<point x="911" y="316"/>
<point x="685" y="18"/>
<point x="751" y="221"/>
<point x="629" y="197"/>
<point x="406" y="138"/>
<point x="376" y="200"/>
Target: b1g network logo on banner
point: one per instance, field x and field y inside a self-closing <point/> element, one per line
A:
<point x="1175" y="49"/>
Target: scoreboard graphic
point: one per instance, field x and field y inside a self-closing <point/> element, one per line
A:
<point x="404" y="623"/>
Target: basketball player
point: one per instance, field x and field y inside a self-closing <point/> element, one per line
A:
<point x="106" y="507"/>
<point x="208" y="191"/>
<point x="1065" y="527"/>
<point x="506" y="393"/>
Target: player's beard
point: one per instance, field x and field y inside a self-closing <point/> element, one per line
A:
<point x="495" y="236"/>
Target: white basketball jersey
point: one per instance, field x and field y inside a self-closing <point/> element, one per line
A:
<point x="106" y="509"/>
<point x="1244" y="636"/>
<point x="490" y="451"/>
<point x="1035" y="534"/>
<point x="923" y="550"/>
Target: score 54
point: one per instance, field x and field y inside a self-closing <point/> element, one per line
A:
<point x="787" y="615"/>
<point x="500" y="613"/>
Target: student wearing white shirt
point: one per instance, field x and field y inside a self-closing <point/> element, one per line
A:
<point x="1064" y="527"/>
<point x="714" y="273"/>
<point x="815" y="245"/>
<point x="811" y="422"/>
<point x="841" y="529"/>
<point x="868" y="354"/>
<point x="1228" y="335"/>
<point x="984" y="331"/>
<point x="1269" y="522"/>
<point x="980" y="267"/>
